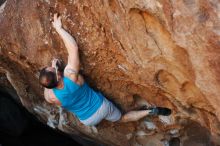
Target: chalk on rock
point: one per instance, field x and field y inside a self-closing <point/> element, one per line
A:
<point x="150" y="125"/>
<point x="50" y="123"/>
<point x="89" y="129"/>
<point x="94" y="129"/>
<point x="166" y="143"/>
<point x="167" y="120"/>
<point x="129" y="136"/>
<point x="141" y="133"/>
<point x="174" y="131"/>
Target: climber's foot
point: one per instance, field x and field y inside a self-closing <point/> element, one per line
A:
<point x="160" y="111"/>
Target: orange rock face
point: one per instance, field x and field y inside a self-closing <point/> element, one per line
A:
<point x="162" y="52"/>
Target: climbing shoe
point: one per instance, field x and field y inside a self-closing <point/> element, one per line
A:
<point x="160" y="111"/>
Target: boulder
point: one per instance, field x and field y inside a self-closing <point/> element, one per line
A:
<point x="162" y="52"/>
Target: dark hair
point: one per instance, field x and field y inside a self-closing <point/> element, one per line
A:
<point x="48" y="79"/>
<point x="61" y="66"/>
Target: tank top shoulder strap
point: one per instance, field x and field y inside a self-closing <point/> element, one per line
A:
<point x="69" y="88"/>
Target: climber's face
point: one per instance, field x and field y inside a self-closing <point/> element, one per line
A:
<point x="48" y="77"/>
<point x="53" y="70"/>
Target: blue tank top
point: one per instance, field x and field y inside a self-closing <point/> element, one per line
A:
<point x="82" y="100"/>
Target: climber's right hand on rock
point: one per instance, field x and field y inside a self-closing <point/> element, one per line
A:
<point x="57" y="24"/>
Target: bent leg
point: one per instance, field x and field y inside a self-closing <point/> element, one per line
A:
<point x="134" y="115"/>
<point x="113" y="113"/>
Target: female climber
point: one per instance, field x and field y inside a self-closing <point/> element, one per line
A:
<point x="69" y="90"/>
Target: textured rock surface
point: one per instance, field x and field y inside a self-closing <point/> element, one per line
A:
<point x="164" y="52"/>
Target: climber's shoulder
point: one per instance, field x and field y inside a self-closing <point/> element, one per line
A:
<point x="51" y="97"/>
<point x="73" y="75"/>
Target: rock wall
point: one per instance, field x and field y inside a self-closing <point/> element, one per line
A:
<point x="164" y="53"/>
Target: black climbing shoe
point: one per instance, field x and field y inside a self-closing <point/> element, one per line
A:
<point x="160" y="111"/>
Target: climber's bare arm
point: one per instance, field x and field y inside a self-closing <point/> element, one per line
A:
<point x="72" y="48"/>
<point x="50" y="97"/>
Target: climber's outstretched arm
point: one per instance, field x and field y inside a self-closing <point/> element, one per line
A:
<point x="70" y="43"/>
